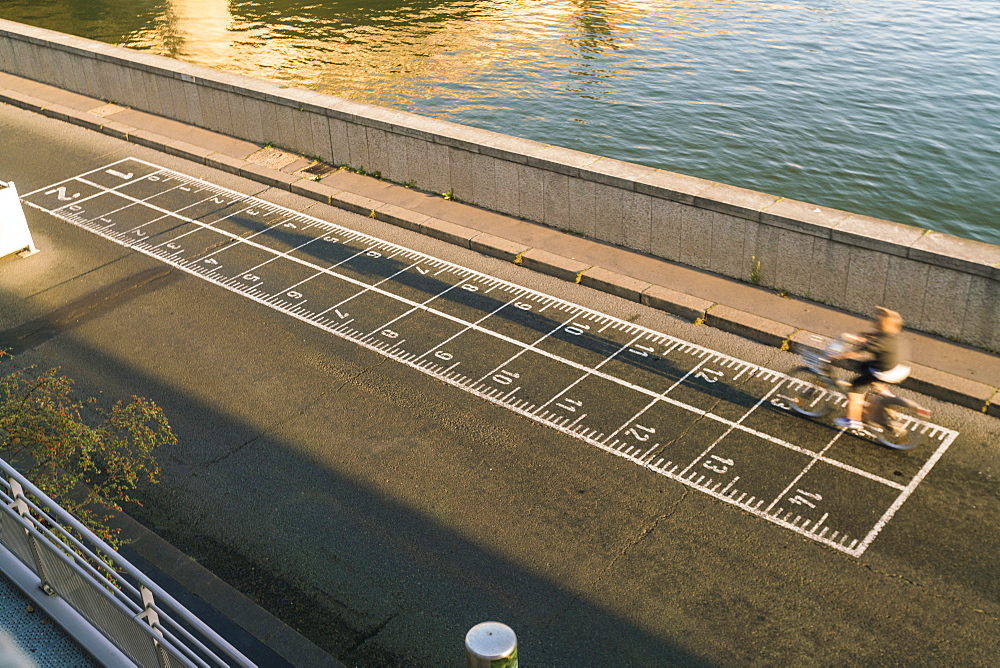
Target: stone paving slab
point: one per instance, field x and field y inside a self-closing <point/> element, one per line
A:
<point x="749" y="325"/>
<point x="402" y="217"/>
<point x="553" y="264"/>
<point x="680" y="304"/>
<point x="445" y="231"/>
<point x="956" y="373"/>
<point x="505" y="249"/>
<point x="614" y="283"/>
<point x="950" y="387"/>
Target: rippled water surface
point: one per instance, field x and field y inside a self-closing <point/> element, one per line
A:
<point x="889" y="108"/>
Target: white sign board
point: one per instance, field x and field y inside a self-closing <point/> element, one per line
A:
<point x="14" y="234"/>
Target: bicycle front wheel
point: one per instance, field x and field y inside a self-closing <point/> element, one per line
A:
<point x="902" y="430"/>
<point x="809" y="393"/>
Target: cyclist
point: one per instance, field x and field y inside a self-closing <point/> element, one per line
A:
<point x="878" y="359"/>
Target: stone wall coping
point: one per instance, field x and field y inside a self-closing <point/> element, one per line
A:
<point x="562" y="160"/>
<point x="966" y="255"/>
<point x="735" y="201"/>
<point x="803" y="217"/>
<point x="877" y="234"/>
<point x="617" y="173"/>
<point x="672" y="186"/>
<point x="512" y="149"/>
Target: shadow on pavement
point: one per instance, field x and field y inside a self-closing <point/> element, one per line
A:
<point x="367" y="577"/>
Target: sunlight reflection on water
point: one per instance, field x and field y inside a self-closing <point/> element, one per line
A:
<point x="880" y="107"/>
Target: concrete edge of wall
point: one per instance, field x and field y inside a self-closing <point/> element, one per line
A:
<point x="885" y="239"/>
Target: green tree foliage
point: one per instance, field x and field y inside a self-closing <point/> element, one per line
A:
<point x="88" y="459"/>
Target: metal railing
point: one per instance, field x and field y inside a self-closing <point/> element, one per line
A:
<point x="124" y="605"/>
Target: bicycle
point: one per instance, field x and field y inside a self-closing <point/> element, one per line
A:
<point x="889" y="420"/>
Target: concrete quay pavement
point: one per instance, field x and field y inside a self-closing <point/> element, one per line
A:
<point x="942" y="369"/>
<point x="382" y="515"/>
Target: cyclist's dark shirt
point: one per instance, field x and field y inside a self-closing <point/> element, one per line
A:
<point x="884" y="348"/>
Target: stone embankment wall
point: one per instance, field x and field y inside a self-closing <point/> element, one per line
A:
<point x="940" y="283"/>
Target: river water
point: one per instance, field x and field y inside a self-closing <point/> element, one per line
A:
<point x="889" y="108"/>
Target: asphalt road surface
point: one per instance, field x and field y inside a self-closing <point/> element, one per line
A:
<point x="386" y="439"/>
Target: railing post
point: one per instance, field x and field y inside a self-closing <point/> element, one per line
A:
<point x="151" y="617"/>
<point x="21" y="506"/>
<point x="491" y="645"/>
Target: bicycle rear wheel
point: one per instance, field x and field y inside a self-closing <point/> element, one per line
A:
<point x="902" y="431"/>
<point x="809" y="393"/>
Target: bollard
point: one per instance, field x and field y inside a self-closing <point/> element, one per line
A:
<point x="491" y="645"/>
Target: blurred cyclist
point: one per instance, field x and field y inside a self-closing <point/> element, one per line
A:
<point x="878" y="359"/>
